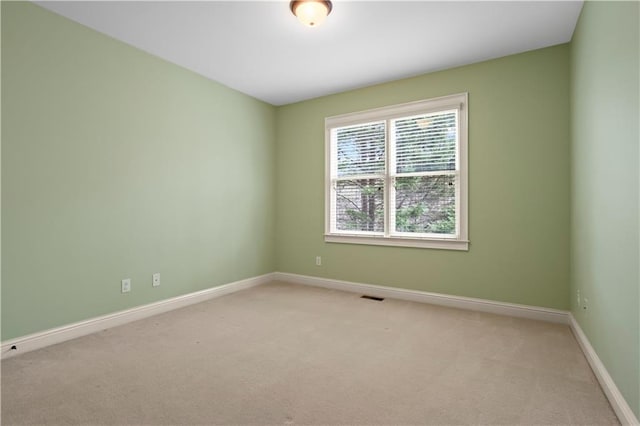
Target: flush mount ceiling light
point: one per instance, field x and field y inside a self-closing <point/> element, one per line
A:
<point x="311" y="12"/>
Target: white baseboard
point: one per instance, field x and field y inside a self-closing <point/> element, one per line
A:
<point x="617" y="401"/>
<point x="483" y="305"/>
<point x="60" y="334"/>
<point x="71" y="331"/>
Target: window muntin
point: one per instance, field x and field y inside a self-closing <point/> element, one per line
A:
<point x="397" y="175"/>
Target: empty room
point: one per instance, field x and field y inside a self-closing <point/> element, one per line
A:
<point x="320" y="212"/>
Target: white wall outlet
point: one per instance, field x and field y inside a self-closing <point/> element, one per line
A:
<point x="126" y="285"/>
<point x="156" y="279"/>
<point x="318" y="260"/>
<point x="578" y="296"/>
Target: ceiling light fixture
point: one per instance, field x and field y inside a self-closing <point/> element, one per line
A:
<point x="311" y="12"/>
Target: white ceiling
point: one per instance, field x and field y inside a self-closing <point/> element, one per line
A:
<point x="259" y="47"/>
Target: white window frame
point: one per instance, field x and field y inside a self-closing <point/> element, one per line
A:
<point x="459" y="241"/>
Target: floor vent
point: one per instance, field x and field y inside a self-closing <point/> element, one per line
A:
<point x="377" y="299"/>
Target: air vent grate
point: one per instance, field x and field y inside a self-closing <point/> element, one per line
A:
<point x="377" y="299"/>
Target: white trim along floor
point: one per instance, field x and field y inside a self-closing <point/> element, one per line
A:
<point x="45" y="338"/>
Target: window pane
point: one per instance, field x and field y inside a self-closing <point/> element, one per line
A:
<point x="426" y="142"/>
<point x="426" y="204"/>
<point x="359" y="205"/>
<point x="360" y="149"/>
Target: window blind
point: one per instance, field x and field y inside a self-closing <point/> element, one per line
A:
<point x="361" y="149"/>
<point x="426" y="143"/>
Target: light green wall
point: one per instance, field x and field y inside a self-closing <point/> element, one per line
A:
<point x="118" y="164"/>
<point x="518" y="185"/>
<point x="605" y="163"/>
<point x="0" y="173"/>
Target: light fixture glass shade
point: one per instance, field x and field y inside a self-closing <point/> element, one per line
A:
<point x="311" y="12"/>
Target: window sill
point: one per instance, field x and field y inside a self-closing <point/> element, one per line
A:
<point x="442" y="244"/>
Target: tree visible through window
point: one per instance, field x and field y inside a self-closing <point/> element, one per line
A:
<point x="395" y="176"/>
<point x="361" y="162"/>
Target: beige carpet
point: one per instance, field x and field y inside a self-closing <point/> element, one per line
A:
<point x="287" y="354"/>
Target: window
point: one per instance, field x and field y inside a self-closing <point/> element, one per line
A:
<point x="398" y="175"/>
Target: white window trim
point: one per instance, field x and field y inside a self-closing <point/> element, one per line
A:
<point x="461" y="242"/>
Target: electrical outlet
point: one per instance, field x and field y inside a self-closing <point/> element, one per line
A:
<point x="578" y="296"/>
<point x="126" y="285"/>
<point x="156" y="279"/>
<point x="318" y="261"/>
